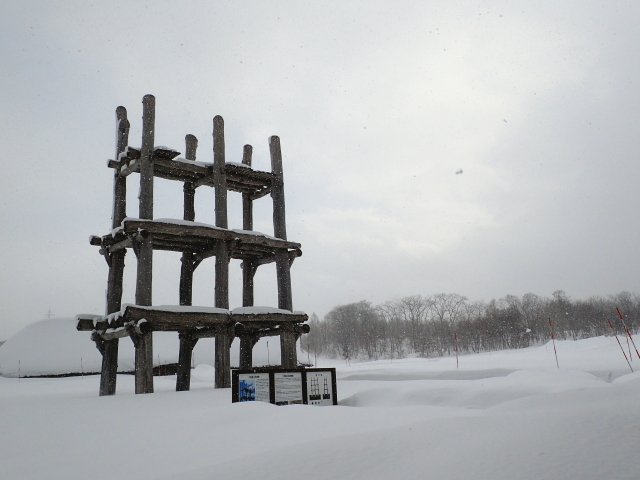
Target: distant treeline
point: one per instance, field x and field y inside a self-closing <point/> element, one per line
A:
<point x="432" y="325"/>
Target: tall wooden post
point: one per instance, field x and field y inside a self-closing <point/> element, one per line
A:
<point x="247" y="203"/>
<point x="186" y="273"/>
<point x="183" y="380"/>
<point x="287" y="338"/>
<point x="109" y="369"/>
<point x="223" y="341"/>
<point x="191" y="145"/>
<point x="144" y="343"/>
<point x="248" y="268"/>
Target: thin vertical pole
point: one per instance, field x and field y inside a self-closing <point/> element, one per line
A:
<point x="144" y="344"/>
<point x="628" y="332"/>
<point x="553" y="339"/>
<point x="455" y="339"/>
<point x="621" y="349"/>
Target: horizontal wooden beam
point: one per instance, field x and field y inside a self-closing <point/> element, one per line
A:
<point x="133" y="328"/>
<point x="147" y="319"/>
<point x="185" y="229"/>
<point x="240" y="178"/>
<point x="269" y="317"/>
<point x="86" y="322"/>
<point x="268" y="331"/>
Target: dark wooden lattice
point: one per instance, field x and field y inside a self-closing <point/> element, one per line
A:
<point x="197" y="242"/>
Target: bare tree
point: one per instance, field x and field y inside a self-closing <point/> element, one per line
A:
<point x="396" y="328"/>
<point x="446" y="309"/>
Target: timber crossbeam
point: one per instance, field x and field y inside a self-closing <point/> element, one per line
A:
<point x="240" y="178"/>
<point x="181" y="236"/>
<point x="201" y="321"/>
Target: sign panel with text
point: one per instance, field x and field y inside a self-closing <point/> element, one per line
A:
<point x="308" y="386"/>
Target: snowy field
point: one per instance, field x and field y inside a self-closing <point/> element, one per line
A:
<point x="502" y="415"/>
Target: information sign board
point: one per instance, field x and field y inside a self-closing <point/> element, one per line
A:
<point x="253" y="387"/>
<point x="309" y="386"/>
<point x="320" y="387"/>
<point x="288" y="387"/>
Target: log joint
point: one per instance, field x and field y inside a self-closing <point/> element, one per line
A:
<point x="95" y="336"/>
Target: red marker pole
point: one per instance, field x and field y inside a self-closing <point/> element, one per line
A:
<point x="622" y="349"/>
<point x="628" y="332"/>
<point x="455" y="338"/>
<point x="553" y="339"/>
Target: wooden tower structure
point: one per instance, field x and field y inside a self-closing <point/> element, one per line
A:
<point x="196" y="241"/>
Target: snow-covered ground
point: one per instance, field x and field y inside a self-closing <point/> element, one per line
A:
<point x="501" y="415"/>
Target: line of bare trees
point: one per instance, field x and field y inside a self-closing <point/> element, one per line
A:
<point x="432" y="325"/>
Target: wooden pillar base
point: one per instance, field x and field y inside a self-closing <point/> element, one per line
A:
<point x="222" y="274"/>
<point x="109" y="368"/>
<point x="223" y="361"/>
<point x="183" y="381"/>
<point x="247" y="342"/>
<point x="288" y="352"/>
<point x="144" y="363"/>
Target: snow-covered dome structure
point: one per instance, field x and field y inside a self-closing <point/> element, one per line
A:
<point x="55" y="347"/>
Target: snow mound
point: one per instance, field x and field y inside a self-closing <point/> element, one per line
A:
<point x="480" y="393"/>
<point x="54" y="347"/>
<point x="49" y="347"/>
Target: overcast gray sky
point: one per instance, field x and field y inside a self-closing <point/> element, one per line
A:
<point x="377" y="105"/>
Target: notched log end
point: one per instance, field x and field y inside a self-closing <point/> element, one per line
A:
<point x="121" y="112"/>
<point x="164" y="153"/>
